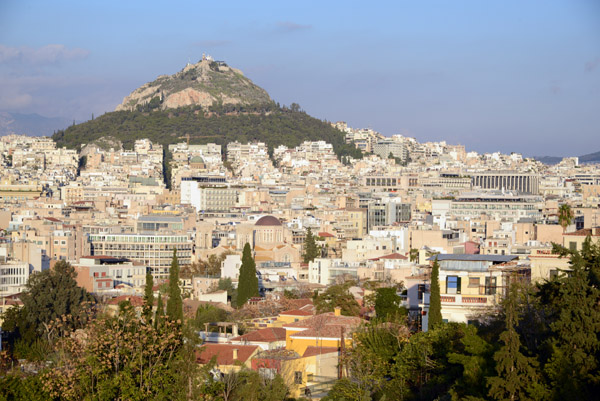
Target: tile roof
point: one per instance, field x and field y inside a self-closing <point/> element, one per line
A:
<point x="224" y="353"/>
<point x="297" y="312"/>
<point x="391" y="256"/>
<point x="584" y="232"/>
<point x="311" y="350"/>
<point x="324" y="320"/>
<point x="270" y="334"/>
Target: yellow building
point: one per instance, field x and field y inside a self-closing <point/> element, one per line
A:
<point x="324" y="330"/>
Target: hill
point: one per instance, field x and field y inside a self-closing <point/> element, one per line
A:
<point x="220" y="124"/>
<point x="590" y="158"/>
<point x="207" y="102"/>
<point x="205" y="84"/>
<point x="30" y="124"/>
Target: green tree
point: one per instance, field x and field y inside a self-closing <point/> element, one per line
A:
<point x="414" y="255"/>
<point x="435" y="302"/>
<point x="337" y="296"/>
<point x="159" y="317"/>
<point x="209" y="314"/>
<point x="573" y="367"/>
<point x="517" y="376"/>
<point x="565" y="216"/>
<point x="311" y="250"/>
<point x="248" y="280"/>
<point x="174" y="302"/>
<point x="387" y="303"/>
<point x="148" y="298"/>
<point x="54" y="294"/>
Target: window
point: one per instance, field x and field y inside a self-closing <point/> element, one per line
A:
<point x="298" y="377"/>
<point x="421" y="289"/>
<point x="473" y="281"/>
<point x="490" y="285"/>
<point x="452" y="285"/>
<point x="573" y="246"/>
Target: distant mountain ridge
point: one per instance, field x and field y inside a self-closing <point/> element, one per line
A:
<point x="30" y="124"/>
<point x="205" y="84"/>
<point x="587" y="158"/>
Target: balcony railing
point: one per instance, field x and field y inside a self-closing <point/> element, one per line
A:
<point x="464" y="299"/>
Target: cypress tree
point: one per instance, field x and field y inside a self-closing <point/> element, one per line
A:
<point x="248" y="281"/>
<point x="160" y="313"/>
<point x="311" y="251"/>
<point x="148" y="298"/>
<point x="517" y="378"/>
<point x="435" y="302"/>
<point x="174" y="303"/>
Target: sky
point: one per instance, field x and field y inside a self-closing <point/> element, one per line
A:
<point x="509" y="76"/>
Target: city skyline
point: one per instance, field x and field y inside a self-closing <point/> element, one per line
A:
<point x="495" y="77"/>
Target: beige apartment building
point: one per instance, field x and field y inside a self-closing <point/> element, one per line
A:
<point x="153" y="250"/>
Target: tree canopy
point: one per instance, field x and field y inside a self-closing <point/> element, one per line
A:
<point x="337" y="296"/>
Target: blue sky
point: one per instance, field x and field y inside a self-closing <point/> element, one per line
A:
<point x="506" y="76"/>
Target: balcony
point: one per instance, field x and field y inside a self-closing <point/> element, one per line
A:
<point x="475" y="300"/>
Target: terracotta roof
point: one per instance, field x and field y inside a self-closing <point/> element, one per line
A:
<point x="311" y="350"/>
<point x="326" y="235"/>
<point x="302" y="303"/>
<point x="325" y="319"/>
<point x="584" y="232"/>
<point x="296" y="312"/>
<point x="224" y="353"/>
<point x="268" y="335"/>
<point x="329" y="331"/>
<point x="133" y="299"/>
<point x="392" y="256"/>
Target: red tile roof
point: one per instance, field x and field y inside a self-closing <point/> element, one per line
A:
<point x="326" y="235"/>
<point x="391" y="256"/>
<point x="584" y="232"/>
<point x="311" y="350"/>
<point x="323" y="325"/>
<point x="270" y="334"/>
<point x="133" y="299"/>
<point x="224" y="353"/>
<point x="296" y="312"/>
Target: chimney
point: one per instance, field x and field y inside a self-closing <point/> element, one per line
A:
<point x="235" y="355"/>
<point x="337" y="311"/>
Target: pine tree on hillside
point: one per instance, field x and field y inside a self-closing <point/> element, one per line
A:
<point x="248" y="281"/>
<point x="435" y="302"/>
<point x="311" y="251"/>
<point x="148" y="298"/>
<point x="517" y="378"/>
<point x="174" y="303"/>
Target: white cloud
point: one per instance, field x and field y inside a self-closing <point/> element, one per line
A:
<point x="48" y="54"/>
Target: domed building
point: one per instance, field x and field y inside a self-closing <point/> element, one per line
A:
<point x="197" y="162"/>
<point x="268" y="231"/>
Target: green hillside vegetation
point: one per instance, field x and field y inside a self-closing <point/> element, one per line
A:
<point x="220" y="124"/>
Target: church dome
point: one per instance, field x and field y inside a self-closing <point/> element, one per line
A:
<point x="268" y="221"/>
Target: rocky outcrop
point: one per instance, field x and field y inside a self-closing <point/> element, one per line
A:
<point x="202" y="84"/>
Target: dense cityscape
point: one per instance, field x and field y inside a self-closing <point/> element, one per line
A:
<point x="287" y="262"/>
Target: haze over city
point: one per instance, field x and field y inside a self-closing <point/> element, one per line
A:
<point x="493" y="76"/>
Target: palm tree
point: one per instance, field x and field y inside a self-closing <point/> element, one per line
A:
<point x="565" y="216"/>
